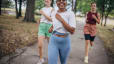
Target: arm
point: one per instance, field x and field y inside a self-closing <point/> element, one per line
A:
<point x="49" y="18"/>
<point x="86" y="18"/>
<point x="51" y="29"/>
<point x="65" y="25"/>
<point x="38" y="21"/>
<point x="97" y="19"/>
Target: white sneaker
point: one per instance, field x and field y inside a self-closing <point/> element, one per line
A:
<point x="41" y="61"/>
<point x="86" y="59"/>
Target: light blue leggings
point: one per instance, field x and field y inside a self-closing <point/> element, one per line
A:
<point x="58" y="46"/>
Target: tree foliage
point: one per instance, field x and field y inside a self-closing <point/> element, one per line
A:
<point x="39" y="4"/>
<point x="105" y="7"/>
<point x="6" y="3"/>
<point x="84" y="5"/>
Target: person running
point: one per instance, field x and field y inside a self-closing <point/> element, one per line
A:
<point x="64" y="24"/>
<point x="92" y="17"/>
<point x="45" y="24"/>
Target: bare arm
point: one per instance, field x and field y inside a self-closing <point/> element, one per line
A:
<point x="48" y="17"/>
<point x="97" y="19"/>
<point x="65" y="25"/>
<point x="51" y="29"/>
<point x="38" y="21"/>
<point x="86" y="17"/>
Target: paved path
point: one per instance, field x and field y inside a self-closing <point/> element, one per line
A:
<point x="96" y="56"/>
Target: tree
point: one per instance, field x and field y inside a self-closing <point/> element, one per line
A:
<point x="52" y="2"/>
<point x="29" y="14"/>
<point x="84" y="5"/>
<point x="0" y="6"/>
<point x="39" y="4"/>
<point x="105" y="7"/>
<point x="75" y="5"/>
<point x="20" y="5"/>
<point x="5" y="4"/>
<point x="108" y="9"/>
<point x="17" y="15"/>
<point x="101" y="8"/>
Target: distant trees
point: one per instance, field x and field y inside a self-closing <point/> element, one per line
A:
<point x="105" y="7"/>
<point x="52" y="2"/>
<point x="18" y="8"/>
<point x="83" y="5"/>
<point x="17" y="15"/>
<point x="74" y="5"/>
<point x="29" y="13"/>
<point x="4" y="4"/>
<point x="39" y="4"/>
<point x="0" y="6"/>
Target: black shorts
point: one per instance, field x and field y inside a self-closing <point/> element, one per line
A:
<point x="89" y="37"/>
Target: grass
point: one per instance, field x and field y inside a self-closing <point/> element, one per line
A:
<point x="14" y="33"/>
<point x="9" y="9"/>
<point x="107" y="35"/>
<point x="111" y="15"/>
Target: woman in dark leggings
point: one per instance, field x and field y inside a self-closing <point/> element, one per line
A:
<point x="92" y="17"/>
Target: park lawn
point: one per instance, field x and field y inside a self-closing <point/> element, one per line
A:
<point x="8" y="9"/>
<point x="111" y="15"/>
<point x="14" y="33"/>
<point x="107" y="35"/>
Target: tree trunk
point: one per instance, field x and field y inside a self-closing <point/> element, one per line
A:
<point x="52" y="2"/>
<point x="29" y="14"/>
<point x="20" y="5"/>
<point x="75" y="6"/>
<point x="102" y="19"/>
<point x="0" y="6"/>
<point x="103" y="10"/>
<point x="105" y="19"/>
<point x="17" y="15"/>
<point x="72" y="6"/>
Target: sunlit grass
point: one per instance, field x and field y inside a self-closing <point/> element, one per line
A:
<point x="107" y="35"/>
<point x="10" y="9"/>
<point x="16" y="33"/>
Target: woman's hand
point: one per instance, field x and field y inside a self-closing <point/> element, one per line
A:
<point x="50" y="29"/>
<point x="38" y="21"/>
<point x="46" y="16"/>
<point x="66" y="26"/>
<point x="94" y="17"/>
<point x="97" y="19"/>
<point x="41" y="12"/>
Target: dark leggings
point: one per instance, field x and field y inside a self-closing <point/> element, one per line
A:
<point x="89" y="37"/>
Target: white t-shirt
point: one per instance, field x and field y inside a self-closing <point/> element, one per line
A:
<point x="69" y="18"/>
<point x="47" y="11"/>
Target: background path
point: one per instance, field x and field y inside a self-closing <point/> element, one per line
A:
<point x="96" y="56"/>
